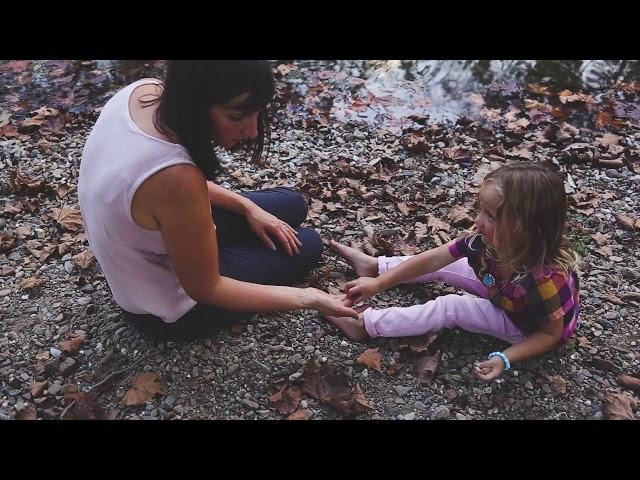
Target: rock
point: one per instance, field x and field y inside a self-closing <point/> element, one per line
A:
<point x="418" y="405"/>
<point x="5" y="293"/>
<point x="410" y="416"/>
<point x="169" y="401"/>
<point x="460" y="416"/>
<point x="232" y="368"/>
<point x="611" y="315"/>
<point x="67" y="366"/>
<point x="55" y="353"/>
<point x="402" y="391"/>
<point x="84" y="301"/>
<point x="54" y="389"/>
<point x="440" y="413"/>
<point x="250" y="404"/>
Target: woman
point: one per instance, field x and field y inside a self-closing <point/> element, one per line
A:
<point x="183" y="256"/>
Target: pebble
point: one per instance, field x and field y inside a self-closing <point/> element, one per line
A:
<point x="84" y="301"/>
<point x="55" y="353"/>
<point x="402" y="391"/>
<point x="250" y="404"/>
<point x="4" y="293"/>
<point x="66" y="366"/>
<point x="440" y="413"/>
<point x="418" y="405"/>
<point x="232" y="368"/>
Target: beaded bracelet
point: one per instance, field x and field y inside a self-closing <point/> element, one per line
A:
<point x="507" y="364"/>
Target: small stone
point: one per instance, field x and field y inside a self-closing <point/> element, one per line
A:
<point x="54" y="389"/>
<point x="418" y="405"/>
<point x="460" y="416"/>
<point x="410" y="416"/>
<point x="440" y="413"/>
<point x="611" y="315"/>
<point x="67" y="366"/>
<point x="55" y="353"/>
<point x="169" y="401"/>
<point x="528" y="385"/>
<point x="309" y="348"/>
<point x="402" y="391"/>
<point x="84" y="301"/>
<point x="250" y="404"/>
<point x="68" y="267"/>
<point x="5" y="293"/>
<point x="232" y="369"/>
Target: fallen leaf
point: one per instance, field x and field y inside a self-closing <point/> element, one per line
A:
<point x="419" y="344"/>
<point x="6" y="243"/>
<point x="436" y="224"/>
<point x="143" y="388"/>
<point x="31" y="282"/>
<point x="625" y="221"/>
<point x="286" y="400"/>
<point x="424" y="367"/>
<point x="300" y="415"/>
<point x="460" y="217"/>
<point x="23" y="184"/>
<point x="83" y="259"/>
<point x="404" y="209"/>
<point x="38" y="388"/>
<point x="632" y="382"/>
<point x="605" y="251"/>
<point x="28" y="413"/>
<point x="371" y="358"/>
<point x="557" y="384"/>
<point x="73" y="342"/>
<point x="617" y="406"/>
<point x="85" y="407"/>
<point x="603" y="364"/>
<point x="539" y="89"/>
<point x="334" y="389"/>
<point x="611" y="299"/>
<point x="608" y="139"/>
<point x="600" y="238"/>
<point x="68" y="218"/>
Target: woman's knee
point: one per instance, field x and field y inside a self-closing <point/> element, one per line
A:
<point x="312" y="246"/>
<point x="296" y="206"/>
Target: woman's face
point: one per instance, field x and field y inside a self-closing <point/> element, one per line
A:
<point x="231" y="125"/>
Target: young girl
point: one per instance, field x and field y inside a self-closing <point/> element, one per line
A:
<point x="518" y="261"/>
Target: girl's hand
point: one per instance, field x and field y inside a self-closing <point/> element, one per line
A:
<point x="265" y="225"/>
<point x="489" y="370"/>
<point x="332" y="305"/>
<point x="361" y="289"/>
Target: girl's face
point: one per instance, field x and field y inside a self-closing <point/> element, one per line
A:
<point x="489" y="199"/>
<point x="231" y="125"/>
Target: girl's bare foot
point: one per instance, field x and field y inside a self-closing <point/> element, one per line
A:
<point x="352" y="328"/>
<point x="364" y="265"/>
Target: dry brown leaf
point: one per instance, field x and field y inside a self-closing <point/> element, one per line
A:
<point x="404" y="209"/>
<point x="600" y="238"/>
<point x="144" y="387"/>
<point x="371" y="358"/>
<point x="557" y="384"/>
<point x="436" y="224"/>
<point x="605" y="251"/>
<point x="286" y="400"/>
<point x="62" y="190"/>
<point x="625" y="221"/>
<point x="424" y="367"/>
<point x="68" y="218"/>
<point x="85" y="407"/>
<point x="23" y="231"/>
<point x="460" y="217"/>
<point x="617" y="406"/>
<point x="31" y="282"/>
<point x="419" y="343"/>
<point x="28" y="413"/>
<point x="632" y="382"/>
<point x="83" y="259"/>
<point x="608" y="139"/>
<point x="612" y="299"/>
<point x="539" y="89"/>
<point x="300" y="415"/>
<point x="73" y="342"/>
<point x="6" y="243"/>
<point x="334" y="389"/>
<point x="24" y="184"/>
<point x="38" y="388"/>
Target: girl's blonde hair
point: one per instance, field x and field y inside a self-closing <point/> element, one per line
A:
<point x="531" y="218"/>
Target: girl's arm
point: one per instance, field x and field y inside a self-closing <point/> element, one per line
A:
<point x="177" y="199"/>
<point x="533" y="345"/>
<point x="221" y="197"/>
<point x="426" y="262"/>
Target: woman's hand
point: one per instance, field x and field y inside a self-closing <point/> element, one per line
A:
<point x="265" y="225"/>
<point x="489" y="370"/>
<point x="361" y="289"/>
<point x="327" y="304"/>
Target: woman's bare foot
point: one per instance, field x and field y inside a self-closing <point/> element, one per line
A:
<point x="364" y="265"/>
<point x="352" y="328"/>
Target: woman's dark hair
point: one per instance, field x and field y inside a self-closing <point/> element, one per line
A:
<point x="192" y="87"/>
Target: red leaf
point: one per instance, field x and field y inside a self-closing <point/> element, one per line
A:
<point x="84" y="408"/>
<point x="144" y="387"/>
<point x="629" y="381"/>
<point x="334" y="389"/>
<point x="424" y="367"/>
<point x="286" y="400"/>
<point x="73" y="342"/>
<point x="371" y="358"/>
<point x="617" y="406"/>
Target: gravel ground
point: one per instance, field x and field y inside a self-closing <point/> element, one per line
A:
<point x="232" y="375"/>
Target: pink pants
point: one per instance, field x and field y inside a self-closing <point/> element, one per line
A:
<point x="474" y="314"/>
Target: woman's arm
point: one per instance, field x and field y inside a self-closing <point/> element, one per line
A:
<point x="177" y="199"/>
<point x="221" y="197"/>
<point x="426" y="262"/>
<point x="261" y="222"/>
